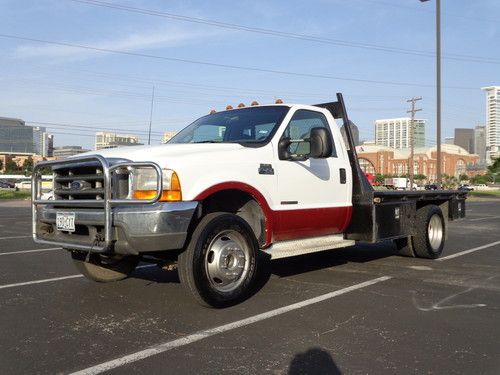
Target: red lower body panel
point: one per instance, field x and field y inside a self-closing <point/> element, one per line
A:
<point x="293" y="224"/>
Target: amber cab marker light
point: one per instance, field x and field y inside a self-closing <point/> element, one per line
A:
<point x="212" y="112"/>
<point x="228" y="107"/>
<point x="241" y="105"/>
<point x="254" y="103"/>
<point x="278" y="101"/>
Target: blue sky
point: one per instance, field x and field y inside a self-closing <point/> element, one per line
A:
<point x="87" y="89"/>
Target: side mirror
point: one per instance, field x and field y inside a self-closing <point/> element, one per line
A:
<point x="321" y="143"/>
<point x="283" y="151"/>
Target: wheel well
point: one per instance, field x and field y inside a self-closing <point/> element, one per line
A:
<point x="239" y="203"/>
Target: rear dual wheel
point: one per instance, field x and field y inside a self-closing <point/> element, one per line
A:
<point x="429" y="238"/>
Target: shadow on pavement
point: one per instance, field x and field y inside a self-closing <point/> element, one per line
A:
<point x="313" y="361"/>
<point x="311" y="262"/>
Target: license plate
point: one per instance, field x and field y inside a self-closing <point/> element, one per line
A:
<point x="65" y="221"/>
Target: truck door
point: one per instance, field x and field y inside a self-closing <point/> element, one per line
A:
<point x="314" y="195"/>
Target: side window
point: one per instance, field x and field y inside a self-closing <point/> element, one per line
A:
<point x="299" y="130"/>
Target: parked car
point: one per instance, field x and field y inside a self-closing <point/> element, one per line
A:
<point x="48" y="196"/>
<point x="430" y="187"/>
<point x="465" y="188"/>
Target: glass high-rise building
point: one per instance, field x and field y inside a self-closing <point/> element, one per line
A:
<point x="16" y="137"/>
<point x="395" y="132"/>
<point x="492" y="122"/>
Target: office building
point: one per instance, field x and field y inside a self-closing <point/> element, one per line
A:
<point x="465" y="139"/>
<point x="17" y="138"/>
<point x="395" y="132"/>
<point x="492" y="122"/>
<point x="480" y="143"/>
<point x="65" y="151"/>
<point x="112" y="140"/>
<point x="51" y="145"/>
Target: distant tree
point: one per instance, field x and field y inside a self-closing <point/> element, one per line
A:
<point x="420" y="177"/>
<point x="379" y="178"/>
<point x="480" y="179"/>
<point x="1" y="164"/>
<point x="495" y="167"/>
<point x="463" y="177"/>
<point x="28" y="166"/>
<point x="11" y="167"/>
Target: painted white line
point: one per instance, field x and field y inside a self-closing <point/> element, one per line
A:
<point x="456" y="255"/>
<point x="484" y="218"/>
<point x="31" y="251"/>
<point x="39" y="281"/>
<point x="200" y="335"/>
<point x="57" y="279"/>
<point x="11" y="238"/>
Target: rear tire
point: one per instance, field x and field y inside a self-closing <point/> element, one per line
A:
<point x="104" y="269"/>
<point x="429" y="239"/>
<point x="219" y="266"/>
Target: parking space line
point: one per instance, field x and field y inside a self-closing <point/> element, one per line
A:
<point x="484" y="218"/>
<point x="200" y="335"/>
<point x="459" y="254"/>
<point x="14" y="237"/>
<point x="42" y="281"/>
<point x="31" y="251"/>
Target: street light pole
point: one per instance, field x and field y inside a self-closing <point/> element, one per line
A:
<point x="438" y="92"/>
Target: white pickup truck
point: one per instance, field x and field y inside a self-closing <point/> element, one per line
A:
<point x="231" y="189"/>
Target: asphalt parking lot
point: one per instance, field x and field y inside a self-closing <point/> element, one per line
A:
<point x="355" y="310"/>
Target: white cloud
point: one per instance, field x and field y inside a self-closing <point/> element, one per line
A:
<point x="133" y="42"/>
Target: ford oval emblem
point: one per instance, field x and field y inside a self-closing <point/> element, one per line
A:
<point x="76" y="185"/>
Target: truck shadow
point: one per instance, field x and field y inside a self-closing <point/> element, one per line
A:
<point x="291" y="266"/>
<point x="360" y="253"/>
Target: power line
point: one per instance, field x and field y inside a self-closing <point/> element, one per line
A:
<point x="89" y="128"/>
<point x="218" y="65"/>
<point x="282" y="34"/>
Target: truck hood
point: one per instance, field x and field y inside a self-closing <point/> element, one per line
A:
<point x="168" y="155"/>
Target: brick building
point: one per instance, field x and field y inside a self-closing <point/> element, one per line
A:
<point x="386" y="160"/>
<point x="19" y="158"/>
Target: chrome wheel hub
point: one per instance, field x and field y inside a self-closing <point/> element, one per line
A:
<point x="226" y="261"/>
<point x="435" y="232"/>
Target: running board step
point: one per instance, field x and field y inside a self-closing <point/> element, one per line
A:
<point x="284" y="249"/>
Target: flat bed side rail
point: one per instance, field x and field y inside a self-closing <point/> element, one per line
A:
<point x="106" y="204"/>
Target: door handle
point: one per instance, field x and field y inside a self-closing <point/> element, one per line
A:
<point x="343" y="176"/>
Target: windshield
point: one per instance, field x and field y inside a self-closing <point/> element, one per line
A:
<point x="247" y="126"/>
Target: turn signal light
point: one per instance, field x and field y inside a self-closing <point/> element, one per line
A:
<point x="172" y="195"/>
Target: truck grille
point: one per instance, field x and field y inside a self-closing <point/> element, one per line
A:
<point x="79" y="181"/>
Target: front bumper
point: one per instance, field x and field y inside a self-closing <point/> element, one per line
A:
<point x="135" y="228"/>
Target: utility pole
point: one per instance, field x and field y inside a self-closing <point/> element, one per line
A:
<point x="151" y="115"/>
<point x="438" y="92"/>
<point x="411" y="162"/>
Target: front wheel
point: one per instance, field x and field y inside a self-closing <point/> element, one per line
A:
<point x="103" y="268"/>
<point x="219" y="266"/>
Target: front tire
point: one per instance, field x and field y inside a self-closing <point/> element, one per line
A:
<point x="219" y="266"/>
<point x="102" y="268"/>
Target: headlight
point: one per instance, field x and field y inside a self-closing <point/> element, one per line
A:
<point x="144" y="185"/>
